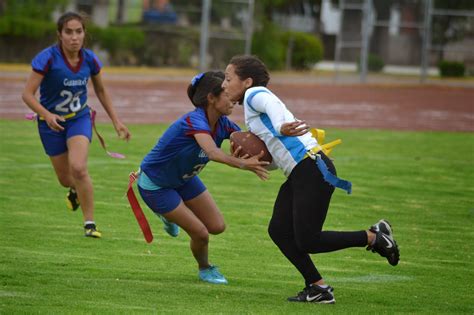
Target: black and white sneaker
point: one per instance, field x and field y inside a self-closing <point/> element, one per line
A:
<point x="384" y="244"/>
<point x="72" y="201"/>
<point x="315" y="294"/>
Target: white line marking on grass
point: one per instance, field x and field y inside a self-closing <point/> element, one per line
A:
<point x="14" y="294"/>
<point x="382" y="278"/>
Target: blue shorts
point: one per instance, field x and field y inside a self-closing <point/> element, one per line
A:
<point x="55" y="142"/>
<point x="164" y="200"/>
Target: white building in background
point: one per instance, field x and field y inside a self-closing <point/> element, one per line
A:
<point x="105" y="12"/>
<point x="395" y="20"/>
<point x="98" y="10"/>
<point x="302" y="21"/>
<point x="330" y="18"/>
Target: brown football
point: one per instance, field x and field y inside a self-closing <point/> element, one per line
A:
<point x="251" y="144"/>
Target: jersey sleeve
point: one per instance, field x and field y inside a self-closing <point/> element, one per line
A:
<point x="41" y="63"/>
<point x="94" y="62"/>
<point x="195" y="122"/>
<point x="267" y="103"/>
<point x="229" y="127"/>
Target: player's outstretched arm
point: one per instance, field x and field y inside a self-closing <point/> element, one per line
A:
<point x="106" y="102"/>
<point x="214" y="153"/>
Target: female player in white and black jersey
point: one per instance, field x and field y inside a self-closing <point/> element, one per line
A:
<point x="302" y="203"/>
<point x="62" y="72"/>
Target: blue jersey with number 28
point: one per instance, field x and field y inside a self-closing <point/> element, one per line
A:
<point x="63" y="89"/>
<point x="177" y="156"/>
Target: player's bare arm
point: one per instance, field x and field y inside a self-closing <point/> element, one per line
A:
<point x="294" y="129"/>
<point x="29" y="98"/>
<point x="214" y="153"/>
<point x="106" y="102"/>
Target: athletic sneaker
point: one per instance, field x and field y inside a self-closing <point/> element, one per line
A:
<point x="212" y="275"/>
<point x="384" y="244"/>
<point x="90" y="230"/>
<point x="315" y="294"/>
<point x="72" y="202"/>
<point x="171" y="228"/>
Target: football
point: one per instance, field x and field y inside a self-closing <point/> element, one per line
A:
<point x="251" y="145"/>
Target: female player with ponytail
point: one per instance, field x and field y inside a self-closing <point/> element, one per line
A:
<point x="302" y="204"/>
<point x="62" y="72"/>
<point x="168" y="179"/>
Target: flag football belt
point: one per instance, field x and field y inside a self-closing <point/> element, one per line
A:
<point x="68" y="116"/>
<point x="137" y="210"/>
<point x="327" y="175"/>
<point x="93" y="116"/>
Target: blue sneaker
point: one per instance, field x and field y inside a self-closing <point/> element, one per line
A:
<point x="212" y="275"/>
<point x="171" y="228"/>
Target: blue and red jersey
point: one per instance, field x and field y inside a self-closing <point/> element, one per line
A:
<point x="177" y="156"/>
<point x="63" y="89"/>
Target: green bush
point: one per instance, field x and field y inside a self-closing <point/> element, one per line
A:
<point x="26" y="27"/>
<point x="451" y="68"/>
<point x="32" y="9"/>
<point x="307" y="49"/>
<point x="122" y="43"/>
<point x="374" y="63"/>
<point x="271" y="44"/>
<point x="268" y="46"/>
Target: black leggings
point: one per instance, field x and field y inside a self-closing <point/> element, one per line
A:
<point x="298" y="217"/>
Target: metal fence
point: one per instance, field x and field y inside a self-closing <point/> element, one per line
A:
<point x="245" y="34"/>
<point x="369" y="21"/>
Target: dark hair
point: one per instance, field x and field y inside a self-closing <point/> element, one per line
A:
<point x="68" y="16"/>
<point x="249" y="66"/>
<point x="203" y="84"/>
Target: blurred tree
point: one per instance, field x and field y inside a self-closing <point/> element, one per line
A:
<point x="266" y="7"/>
<point x="33" y="9"/>
<point x="120" y="11"/>
<point x="29" y="18"/>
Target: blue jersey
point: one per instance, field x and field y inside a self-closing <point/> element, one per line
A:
<point x="177" y="156"/>
<point x="63" y="90"/>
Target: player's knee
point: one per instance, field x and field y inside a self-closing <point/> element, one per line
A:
<point x="275" y="233"/>
<point x="216" y="228"/>
<point x="65" y="180"/>
<point x="201" y="236"/>
<point x="79" y="171"/>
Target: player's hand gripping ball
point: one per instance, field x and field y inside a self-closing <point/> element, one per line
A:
<point x="250" y="144"/>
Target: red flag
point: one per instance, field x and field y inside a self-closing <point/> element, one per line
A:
<point x="137" y="210"/>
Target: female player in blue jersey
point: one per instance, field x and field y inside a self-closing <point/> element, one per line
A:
<point x="168" y="181"/>
<point x="62" y="72"/>
<point x="303" y="200"/>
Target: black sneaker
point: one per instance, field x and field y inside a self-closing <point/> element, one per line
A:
<point x="315" y="294"/>
<point x="384" y="244"/>
<point x="382" y="226"/>
<point x="72" y="202"/>
<point x="90" y="230"/>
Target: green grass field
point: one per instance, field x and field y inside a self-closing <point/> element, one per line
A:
<point x="420" y="181"/>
